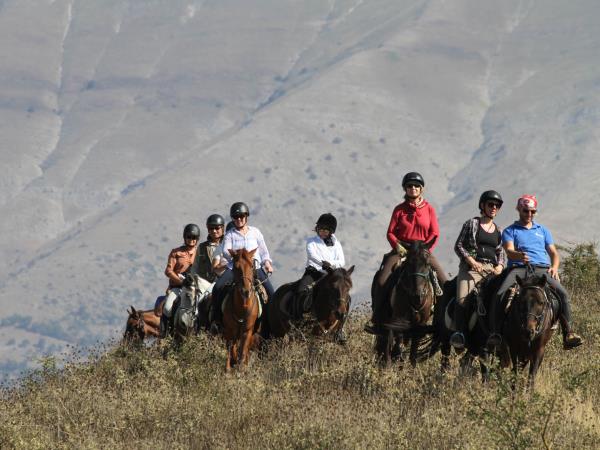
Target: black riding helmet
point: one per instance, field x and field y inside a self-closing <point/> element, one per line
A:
<point x="327" y="220"/>
<point x="413" y="177"/>
<point x="490" y="195"/>
<point x="191" y="231"/>
<point x="215" y="220"/>
<point x="239" y="208"/>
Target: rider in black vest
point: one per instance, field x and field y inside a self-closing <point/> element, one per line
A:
<point x="207" y="250"/>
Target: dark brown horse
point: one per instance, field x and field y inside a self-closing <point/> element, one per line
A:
<point x="410" y="297"/>
<point x="528" y="326"/>
<point x="241" y="310"/>
<point x="330" y="304"/>
<point x="140" y="325"/>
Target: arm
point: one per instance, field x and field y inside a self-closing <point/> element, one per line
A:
<point x="500" y="256"/>
<point x="264" y="252"/>
<point x="515" y="255"/>
<point x="391" y="237"/>
<point x="339" y="260"/>
<point x="174" y="279"/>
<point x="312" y="253"/>
<point x="459" y="246"/>
<point x="434" y="228"/>
<point x="554" y="261"/>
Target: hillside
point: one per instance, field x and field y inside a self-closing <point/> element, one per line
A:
<point x="122" y="121"/>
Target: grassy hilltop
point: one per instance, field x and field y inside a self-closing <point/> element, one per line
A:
<point x="311" y="396"/>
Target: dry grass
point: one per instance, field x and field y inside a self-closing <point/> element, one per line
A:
<point x="303" y="395"/>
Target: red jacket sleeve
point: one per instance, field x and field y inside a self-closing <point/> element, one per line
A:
<point x="434" y="228"/>
<point x="391" y="237"/>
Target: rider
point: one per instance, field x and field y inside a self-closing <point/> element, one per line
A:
<point x="479" y="247"/>
<point x="324" y="253"/>
<point x="180" y="260"/>
<point x="528" y="242"/>
<point x="209" y="249"/>
<point x="414" y="219"/>
<point x="241" y="236"/>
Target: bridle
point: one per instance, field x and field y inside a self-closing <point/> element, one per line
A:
<point x="422" y="293"/>
<point x="539" y="318"/>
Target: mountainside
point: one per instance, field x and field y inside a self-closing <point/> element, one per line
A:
<point x="121" y="121"/>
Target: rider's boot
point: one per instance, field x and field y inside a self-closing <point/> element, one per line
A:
<point x="457" y="340"/>
<point x="162" y="331"/>
<point x="216" y="317"/>
<point x="494" y="340"/>
<point x="570" y="339"/>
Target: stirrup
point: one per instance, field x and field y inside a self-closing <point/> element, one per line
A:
<point x="494" y="341"/>
<point x="457" y="340"/>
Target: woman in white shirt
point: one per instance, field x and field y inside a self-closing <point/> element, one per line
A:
<point x="324" y="252"/>
<point x="241" y="235"/>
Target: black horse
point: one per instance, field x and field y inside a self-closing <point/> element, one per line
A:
<point x="329" y="310"/>
<point x="403" y="309"/>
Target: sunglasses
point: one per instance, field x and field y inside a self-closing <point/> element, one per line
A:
<point x="527" y="211"/>
<point x="412" y="185"/>
<point x="215" y="228"/>
<point x="493" y="205"/>
<point x="240" y="216"/>
<point x="191" y="238"/>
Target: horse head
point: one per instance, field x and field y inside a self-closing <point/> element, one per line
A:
<point x="531" y="305"/>
<point x="412" y="294"/>
<point x="134" y="328"/>
<point x="243" y="271"/>
<point x="332" y="295"/>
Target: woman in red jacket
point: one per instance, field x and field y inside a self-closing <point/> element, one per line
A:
<point x="412" y="220"/>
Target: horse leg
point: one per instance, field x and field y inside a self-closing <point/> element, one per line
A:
<point x="229" y="356"/>
<point x="244" y="355"/>
<point x="445" y="361"/>
<point x="414" y="347"/>
<point x="534" y="365"/>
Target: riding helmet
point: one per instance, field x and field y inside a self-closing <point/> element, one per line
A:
<point x="215" y="220"/>
<point x="413" y="177"/>
<point x="239" y="208"/>
<point x="191" y="231"/>
<point x="490" y="195"/>
<point x="327" y="220"/>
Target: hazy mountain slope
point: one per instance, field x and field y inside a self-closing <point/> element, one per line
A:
<point x="147" y="116"/>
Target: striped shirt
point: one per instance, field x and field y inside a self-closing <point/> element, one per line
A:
<point x="466" y="243"/>
<point x="235" y="240"/>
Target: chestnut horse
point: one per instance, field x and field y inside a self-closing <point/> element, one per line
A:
<point x="330" y="305"/>
<point x="410" y="297"/>
<point x="528" y="326"/>
<point x="140" y="325"/>
<point x="241" y="310"/>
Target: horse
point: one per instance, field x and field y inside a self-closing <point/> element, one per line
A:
<point x="241" y="310"/>
<point x="476" y="331"/>
<point x="531" y="316"/>
<point x="195" y="289"/>
<point x="330" y="304"/>
<point x="407" y="305"/>
<point x="140" y="325"/>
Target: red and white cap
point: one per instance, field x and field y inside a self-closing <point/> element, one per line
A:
<point x="527" y="201"/>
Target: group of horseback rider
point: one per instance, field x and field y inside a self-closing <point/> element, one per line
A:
<point x="484" y="250"/>
<point x="211" y="260"/>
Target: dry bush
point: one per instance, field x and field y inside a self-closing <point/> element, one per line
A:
<point x="300" y="394"/>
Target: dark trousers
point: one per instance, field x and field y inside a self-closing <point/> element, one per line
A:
<point x="497" y="303"/>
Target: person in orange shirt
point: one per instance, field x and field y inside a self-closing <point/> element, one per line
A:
<point x="180" y="260"/>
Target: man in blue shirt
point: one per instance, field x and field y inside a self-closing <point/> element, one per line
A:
<point x="528" y="242"/>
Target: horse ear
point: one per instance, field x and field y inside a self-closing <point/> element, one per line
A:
<point x="252" y="252"/>
<point x="519" y="280"/>
<point x="429" y="244"/>
<point x="350" y="270"/>
<point x="231" y="252"/>
<point x="542" y="281"/>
